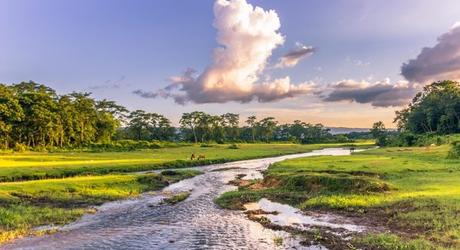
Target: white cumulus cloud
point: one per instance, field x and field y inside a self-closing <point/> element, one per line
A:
<point x="247" y="36"/>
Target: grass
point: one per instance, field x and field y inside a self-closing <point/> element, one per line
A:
<point x="35" y="165"/>
<point x="176" y="198"/>
<point x="59" y="201"/>
<point x="415" y="192"/>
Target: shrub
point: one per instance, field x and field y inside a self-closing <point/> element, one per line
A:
<point x="124" y="145"/>
<point x="19" y="147"/>
<point x="233" y="146"/>
<point x="454" y="152"/>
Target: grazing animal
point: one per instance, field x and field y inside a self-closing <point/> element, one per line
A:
<point x="352" y="149"/>
<point x="201" y="157"/>
<point x="192" y="157"/>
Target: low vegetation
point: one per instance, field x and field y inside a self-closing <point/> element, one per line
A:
<point x="176" y="198"/>
<point x="413" y="192"/>
<point x="39" y="165"/>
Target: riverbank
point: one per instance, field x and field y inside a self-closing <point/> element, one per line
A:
<point x="412" y="193"/>
<point x="97" y="178"/>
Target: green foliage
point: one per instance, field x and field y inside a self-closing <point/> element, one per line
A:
<point x="42" y="119"/>
<point x="123" y="145"/>
<point x="176" y="198"/>
<point x="408" y="139"/>
<point x="233" y="146"/>
<point x="435" y="109"/>
<point x="454" y="152"/>
<point x="388" y="241"/>
<point x="379" y="133"/>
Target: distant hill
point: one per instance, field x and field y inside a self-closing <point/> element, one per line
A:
<point x="343" y="130"/>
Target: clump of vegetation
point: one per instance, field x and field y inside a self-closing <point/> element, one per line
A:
<point x="390" y="241"/>
<point x="454" y="152"/>
<point x="176" y="198"/>
<point x="278" y="241"/>
<point x="233" y="146"/>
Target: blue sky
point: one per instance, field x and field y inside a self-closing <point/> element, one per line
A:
<point x="113" y="47"/>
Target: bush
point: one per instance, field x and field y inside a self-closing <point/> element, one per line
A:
<point x="454" y="152"/>
<point x="407" y="139"/>
<point x="124" y="145"/>
<point x="19" y="147"/>
<point x="233" y="146"/>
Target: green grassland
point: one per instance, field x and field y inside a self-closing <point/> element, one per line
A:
<point x="57" y="188"/>
<point x="34" y="165"/>
<point x="414" y="192"/>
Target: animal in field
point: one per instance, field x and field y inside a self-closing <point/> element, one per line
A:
<point x="192" y="157"/>
<point x="352" y="149"/>
<point x="201" y="157"/>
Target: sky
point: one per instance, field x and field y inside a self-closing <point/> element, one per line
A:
<point x="340" y="62"/>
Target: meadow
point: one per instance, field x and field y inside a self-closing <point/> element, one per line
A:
<point x="38" y="188"/>
<point x="37" y="165"/>
<point x="413" y="192"/>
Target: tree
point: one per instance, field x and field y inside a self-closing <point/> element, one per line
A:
<point x="379" y="133"/>
<point x="86" y="117"/>
<point x="10" y="113"/>
<point x="267" y="127"/>
<point x="230" y="123"/>
<point x="138" y="123"/>
<point x="194" y="122"/>
<point x="252" y="123"/>
<point x="435" y="109"/>
<point x="109" y="117"/>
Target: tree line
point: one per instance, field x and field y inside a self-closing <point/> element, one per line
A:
<point x="432" y="114"/>
<point x="34" y="115"/>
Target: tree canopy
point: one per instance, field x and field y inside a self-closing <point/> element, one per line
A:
<point x="436" y="109"/>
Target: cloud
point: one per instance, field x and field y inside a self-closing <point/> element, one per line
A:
<point x="378" y="94"/>
<point x="440" y="62"/>
<point x="293" y="57"/>
<point x="247" y="36"/>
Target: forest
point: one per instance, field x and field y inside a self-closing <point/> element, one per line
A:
<point x="34" y="116"/>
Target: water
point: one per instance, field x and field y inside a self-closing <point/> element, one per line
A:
<point x="286" y="215"/>
<point x="196" y="223"/>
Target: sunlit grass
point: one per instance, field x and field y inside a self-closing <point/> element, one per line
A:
<point x="29" y="166"/>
